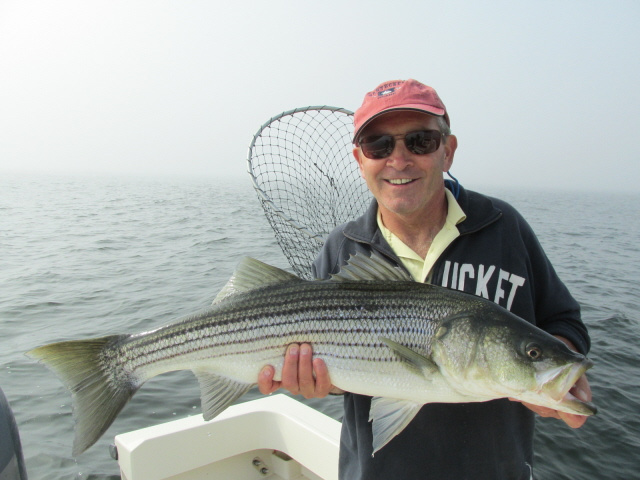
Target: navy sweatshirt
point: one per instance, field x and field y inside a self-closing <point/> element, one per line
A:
<point x="497" y="256"/>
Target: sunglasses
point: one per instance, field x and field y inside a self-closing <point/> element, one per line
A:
<point x="422" y="142"/>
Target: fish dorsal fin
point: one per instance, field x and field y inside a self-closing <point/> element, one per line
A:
<point x="390" y="416"/>
<point x="251" y="274"/>
<point x="425" y="365"/>
<point x="218" y="392"/>
<point x="361" y="267"/>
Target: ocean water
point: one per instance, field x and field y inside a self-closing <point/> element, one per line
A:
<point x="86" y="256"/>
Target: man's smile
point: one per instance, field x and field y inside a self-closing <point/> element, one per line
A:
<point x="400" y="181"/>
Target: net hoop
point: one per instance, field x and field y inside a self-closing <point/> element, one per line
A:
<point x="302" y="169"/>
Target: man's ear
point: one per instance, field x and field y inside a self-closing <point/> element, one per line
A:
<point x="356" y="154"/>
<point x="450" y="147"/>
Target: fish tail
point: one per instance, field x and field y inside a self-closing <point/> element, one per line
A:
<point x="100" y="387"/>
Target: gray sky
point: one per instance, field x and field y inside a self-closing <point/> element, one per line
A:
<point x="540" y="93"/>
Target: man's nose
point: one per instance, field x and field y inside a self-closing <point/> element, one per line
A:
<point x="400" y="157"/>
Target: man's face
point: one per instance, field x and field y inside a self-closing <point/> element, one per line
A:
<point x="405" y="184"/>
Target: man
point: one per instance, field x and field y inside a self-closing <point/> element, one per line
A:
<point x="442" y="234"/>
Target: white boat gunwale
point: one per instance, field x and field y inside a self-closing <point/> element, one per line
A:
<point x="290" y="440"/>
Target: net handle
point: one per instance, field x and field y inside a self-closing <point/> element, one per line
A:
<point x="254" y="180"/>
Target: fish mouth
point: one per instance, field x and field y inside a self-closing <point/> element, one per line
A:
<point x="557" y="385"/>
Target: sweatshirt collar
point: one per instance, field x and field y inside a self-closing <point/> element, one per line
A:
<point x="479" y="210"/>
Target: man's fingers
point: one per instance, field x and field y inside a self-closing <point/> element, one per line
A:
<point x="306" y="380"/>
<point x="301" y="374"/>
<point x="574" y="421"/>
<point x="323" y="382"/>
<point x="266" y="385"/>
<point x="290" y="369"/>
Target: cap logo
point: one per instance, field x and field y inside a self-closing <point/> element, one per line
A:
<point x="386" y="92"/>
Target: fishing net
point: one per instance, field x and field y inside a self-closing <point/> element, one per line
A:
<point x="306" y="179"/>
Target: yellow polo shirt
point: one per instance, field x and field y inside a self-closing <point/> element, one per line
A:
<point x="420" y="269"/>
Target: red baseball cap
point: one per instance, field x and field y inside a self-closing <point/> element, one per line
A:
<point x="397" y="95"/>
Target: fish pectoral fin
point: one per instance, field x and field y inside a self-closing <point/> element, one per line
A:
<point x="390" y="416"/>
<point x="425" y="365"/>
<point x="218" y="392"/>
<point x="251" y="274"/>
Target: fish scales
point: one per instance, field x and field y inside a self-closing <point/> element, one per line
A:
<point x="320" y="313"/>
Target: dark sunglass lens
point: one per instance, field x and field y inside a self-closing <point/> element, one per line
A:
<point x="378" y="146"/>
<point x="424" y="142"/>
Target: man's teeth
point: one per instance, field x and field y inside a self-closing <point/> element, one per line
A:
<point x="400" y="181"/>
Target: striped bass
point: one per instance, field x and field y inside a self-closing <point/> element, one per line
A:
<point x="380" y="334"/>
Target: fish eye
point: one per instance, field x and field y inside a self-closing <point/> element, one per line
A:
<point x="533" y="351"/>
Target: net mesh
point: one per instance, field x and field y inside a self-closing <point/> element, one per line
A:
<point x="306" y="178"/>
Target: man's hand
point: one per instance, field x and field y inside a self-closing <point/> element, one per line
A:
<point x="301" y="374"/>
<point x="581" y="390"/>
